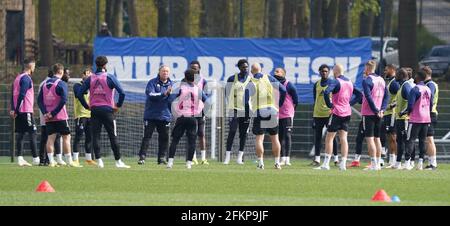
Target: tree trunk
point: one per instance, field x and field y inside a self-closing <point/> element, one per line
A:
<point x="163" y="18"/>
<point x="274" y="9"/>
<point x="316" y="19"/>
<point x="180" y="19"/>
<point x="133" y="18"/>
<point x="45" y="33"/>
<point x="117" y="22"/>
<point x="302" y="18"/>
<point x="366" y="23"/>
<point x="388" y="6"/>
<point x="217" y="19"/>
<point x="331" y="19"/>
<point x="289" y="19"/>
<point x="343" y="24"/>
<point x="407" y="24"/>
<point x="109" y="9"/>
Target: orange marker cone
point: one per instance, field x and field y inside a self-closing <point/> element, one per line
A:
<point x="44" y="186"/>
<point x="381" y="196"/>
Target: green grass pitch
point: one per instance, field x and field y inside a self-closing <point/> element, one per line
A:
<point x="219" y="185"/>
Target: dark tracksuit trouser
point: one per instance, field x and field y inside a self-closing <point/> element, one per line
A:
<point x="182" y="125"/>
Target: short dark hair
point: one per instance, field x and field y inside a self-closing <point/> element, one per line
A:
<point x="50" y="72"/>
<point x="402" y="73"/>
<point x="241" y="62"/>
<point x="421" y="76"/>
<point x="391" y="66"/>
<point x="189" y="73"/>
<point x="324" y="66"/>
<point x="27" y="61"/>
<point x="195" y="62"/>
<point x="101" y="61"/>
<point x="57" y="67"/>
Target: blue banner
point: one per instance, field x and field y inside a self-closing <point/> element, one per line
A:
<point x="140" y="58"/>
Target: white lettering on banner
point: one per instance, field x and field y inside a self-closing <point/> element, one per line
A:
<point x="122" y="67"/>
<point x="216" y="70"/>
<point x="177" y="66"/>
<point x="142" y="64"/>
<point x="266" y="63"/>
<point x="297" y="68"/>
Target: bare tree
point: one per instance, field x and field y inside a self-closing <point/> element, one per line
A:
<point x="163" y="18"/>
<point x="302" y="18"/>
<point x="331" y="19"/>
<point x="274" y="17"/>
<point x="407" y="37"/>
<point x="289" y="19"/>
<point x="117" y="21"/>
<point x="109" y="8"/>
<point x="343" y="24"/>
<point x="134" y="21"/>
<point x="217" y="18"/>
<point x="45" y="33"/>
<point x="316" y="19"/>
<point x="180" y="18"/>
<point x="366" y="23"/>
<point x="389" y="8"/>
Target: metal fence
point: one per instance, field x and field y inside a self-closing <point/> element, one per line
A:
<point x="129" y="123"/>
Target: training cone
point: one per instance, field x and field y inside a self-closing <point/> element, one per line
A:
<point x="381" y="196"/>
<point x="395" y="198"/>
<point x="44" y="186"/>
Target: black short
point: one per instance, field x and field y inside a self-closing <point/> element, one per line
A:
<point x="389" y="123"/>
<point x="61" y="127"/>
<point x="432" y="125"/>
<point x="24" y="122"/>
<point x="336" y="123"/>
<point x="371" y="126"/>
<point x="201" y="126"/>
<point x="269" y="125"/>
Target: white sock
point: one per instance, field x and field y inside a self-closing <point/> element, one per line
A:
<point x="20" y="158"/>
<point x="434" y="162"/>
<point x="261" y="160"/>
<point x="68" y="158"/>
<point x="378" y="160"/>
<point x="326" y="161"/>
<point x="391" y="158"/>
<point x="283" y="159"/>
<point x="194" y="158"/>
<point x="170" y="161"/>
<point x="100" y="161"/>
<point x="421" y="161"/>
<point x="336" y="158"/>
<point x="344" y="160"/>
<point x="357" y="157"/>
<point x="188" y="163"/>
<point x="88" y="156"/>
<point x="59" y="157"/>
<point x="37" y="159"/>
<point x="75" y="156"/>
<point x="203" y="155"/>
<point x="240" y="155"/>
<point x="277" y="160"/>
<point x="288" y="159"/>
<point x="394" y="159"/>
<point x="227" y="156"/>
<point x="317" y="159"/>
<point x="50" y="157"/>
